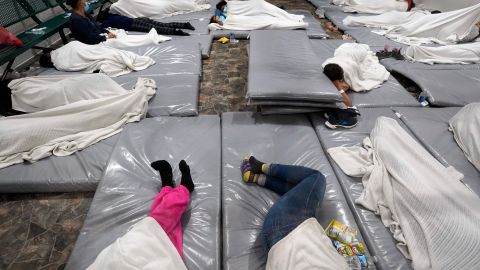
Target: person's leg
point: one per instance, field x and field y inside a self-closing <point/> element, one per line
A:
<point x="145" y="26"/>
<point x="293" y="208"/>
<point x="177" y="25"/>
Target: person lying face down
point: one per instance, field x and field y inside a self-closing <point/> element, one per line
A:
<point x="85" y="29"/>
<point x="335" y="73"/>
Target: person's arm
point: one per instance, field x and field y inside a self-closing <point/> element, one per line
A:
<point x="346" y="98"/>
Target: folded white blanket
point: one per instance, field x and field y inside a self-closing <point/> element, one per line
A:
<point x="258" y="14"/>
<point x="66" y="129"/>
<point x="124" y="40"/>
<point x="39" y="93"/>
<point x="362" y="70"/>
<point x="443" y="28"/>
<point x="425" y="205"/>
<point x="77" y="56"/>
<point x="156" y="9"/>
<point x="465" y="126"/>
<point x="468" y="53"/>
<point x="372" y="6"/>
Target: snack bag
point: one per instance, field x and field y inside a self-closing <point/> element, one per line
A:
<point x="341" y="232"/>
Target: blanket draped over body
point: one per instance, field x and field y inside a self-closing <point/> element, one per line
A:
<point x="432" y="214"/>
<point x="362" y="70"/>
<point x="465" y="126"/>
<point x="66" y="129"/>
<point x="258" y="14"/>
<point x="157" y="9"/>
<point x="144" y="246"/>
<point x="468" y="53"/>
<point x="372" y="6"/>
<point x="39" y="93"/>
<point x="76" y="56"/>
<point x="124" y="40"/>
<point x="420" y="28"/>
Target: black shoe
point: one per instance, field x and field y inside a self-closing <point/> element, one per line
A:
<point x="344" y="118"/>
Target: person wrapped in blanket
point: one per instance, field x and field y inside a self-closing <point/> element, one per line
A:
<point x="155" y="242"/>
<point x="89" y="31"/>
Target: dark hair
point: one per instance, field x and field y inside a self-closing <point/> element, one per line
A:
<point x="435" y="12"/>
<point x="72" y="3"/>
<point x="334" y="72"/>
<point x="212" y="19"/>
<point x="46" y="60"/>
<point x="221" y="4"/>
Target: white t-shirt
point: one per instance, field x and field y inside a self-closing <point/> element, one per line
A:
<point x="306" y="247"/>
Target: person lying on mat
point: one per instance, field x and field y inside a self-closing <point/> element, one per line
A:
<point x="85" y="29"/>
<point x="291" y="234"/>
<point x="155" y="242"/>
<point x="375" y="6"/>
<point x="253" y="15"/>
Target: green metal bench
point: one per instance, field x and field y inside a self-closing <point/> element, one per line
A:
<point x="15" y="11"/>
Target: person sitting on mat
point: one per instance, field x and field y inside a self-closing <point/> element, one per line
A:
<point x="220" y="13"/>
<point x="291" y="234"/>
<point x="155" y="242"/>
<point x="85" y="29"/>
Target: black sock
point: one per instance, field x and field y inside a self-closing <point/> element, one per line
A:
<point x="255" y="165"/>
<point x="165" y="170"/>
<point x="186" y="177"/>
<point x="179" y="32"/>
<point x="188" y="26"/>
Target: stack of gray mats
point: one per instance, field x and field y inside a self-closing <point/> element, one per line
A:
<point x="444" y="85"/>
<point x="276" y="139"/>
<point x="129" y="186"/>
<point x="288" y="74"/>
<point x="177" y="71"/>
<point x="314" y="29"/>
<point x="378" y="238"/>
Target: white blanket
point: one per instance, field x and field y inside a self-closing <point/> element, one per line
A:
<point x="145" y="246"/>
<point x="468" y="53"/>
<point x="372" y="6"/>
<point x="39" y="93"/>
<point x="66" y="129"/>
<point x="425" y="205"/>
<point x="362" y="70"/>
<point x="443" y="28"/>
<point x="77" y="56"/>
<point x="384" y="20"/>
<point x="465" y="126"/>
<point x="124" y="40"/>
<point x="156" y="9"/>
<point x="258" y="14"/>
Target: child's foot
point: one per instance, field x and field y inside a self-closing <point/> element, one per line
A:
<point x="165" y="170"/>
<point x="257" y="166"/>
<point x="248" y="176"/>
<point x="186" y="176"/>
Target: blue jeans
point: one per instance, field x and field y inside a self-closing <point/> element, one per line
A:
<point x="302" y="189"/>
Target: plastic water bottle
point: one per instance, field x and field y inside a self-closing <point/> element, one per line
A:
<point x="423" y="101"/>
<point x="232" y="38"/>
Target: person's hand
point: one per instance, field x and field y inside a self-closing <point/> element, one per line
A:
<point x="111" y="35"/>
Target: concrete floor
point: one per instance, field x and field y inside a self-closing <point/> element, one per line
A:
<point x="38" y="231"/>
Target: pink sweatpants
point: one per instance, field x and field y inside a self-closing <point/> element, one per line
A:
<point x="167" y="209"/>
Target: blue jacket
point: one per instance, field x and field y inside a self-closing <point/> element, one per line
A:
<point x="86" y="29"/>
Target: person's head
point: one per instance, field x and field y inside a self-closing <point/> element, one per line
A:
<point x="46" y="60"/>
<point x="221" y="5"/>
<point x="215" y="19"/>
<point x="335" y="73"/>
<point x="76" y="3"/>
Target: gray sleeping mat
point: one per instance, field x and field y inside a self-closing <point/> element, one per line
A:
<point x="392" y="64"/>
<point x="289" y="70"/>
<point x="81" y="171"/>
<point x="376" y="42"/>
<point x="378" y="238"/>
<point x="336" y="15"/>
<point x="176" y="95"/>
<point x="430" y="126"/>
<point x="286" y="140"/>
<point x="391" y="93"/>
<point x="446" y="88"/>
<point x="314" y="29"/>
<point x="272" y="109"/>
<point x="129" y="186"/>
